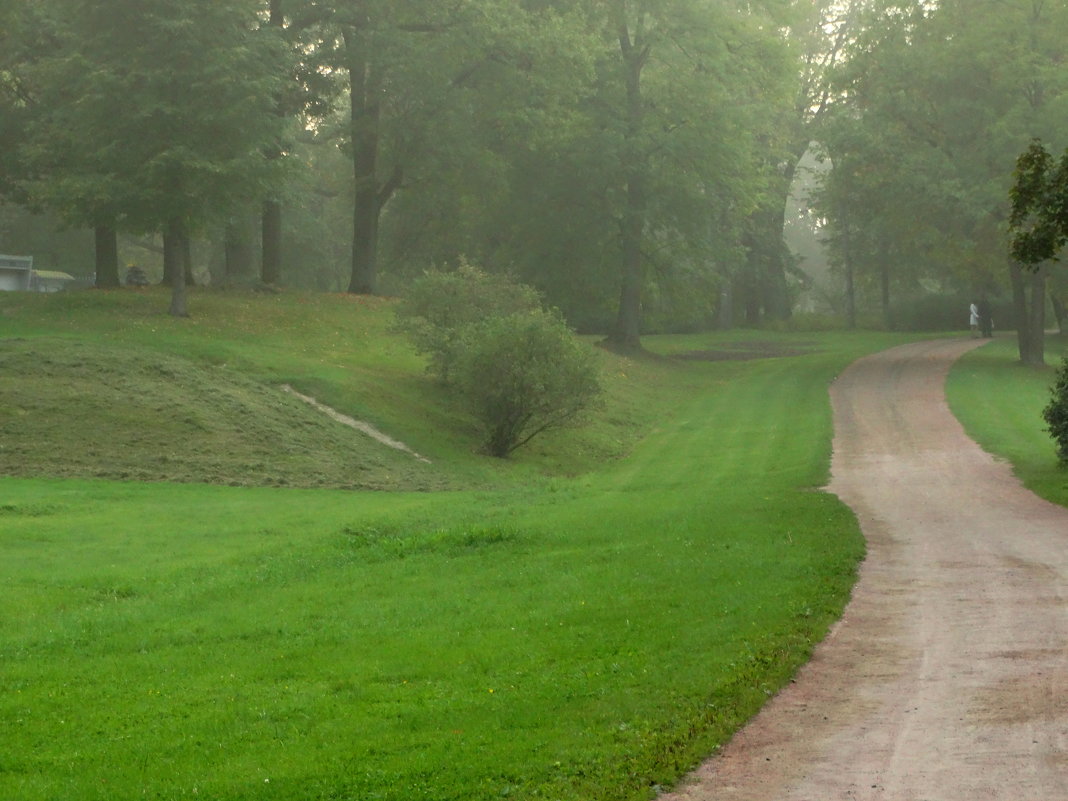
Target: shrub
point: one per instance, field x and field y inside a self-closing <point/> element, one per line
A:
<point x="440" y="304"/>
<point x="1056" y="412"/>
<point x="523" y="374"/>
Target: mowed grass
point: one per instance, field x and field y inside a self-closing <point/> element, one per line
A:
<point x="584" y="623"/>
<point x="1000" y="404"/>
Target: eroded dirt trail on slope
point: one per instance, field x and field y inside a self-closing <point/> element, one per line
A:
<point x="947" y="677"/>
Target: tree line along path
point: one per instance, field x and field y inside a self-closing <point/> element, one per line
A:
<point x="947" y="677"/>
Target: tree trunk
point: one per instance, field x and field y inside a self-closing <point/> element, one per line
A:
<point x="185" y="248"/>
<point x="107" y="257"/>
<point x="1058" y="309"/>
<point x="850" y="284"/>
<point x="1037" y="357"/>
<point x="767" y="258"/>
<point x="751" y="297"/>
<point x="238" y="249"/>
<point x="271" y="243"/>
<point x="770" y="232"/>
<point x="365" y="85"/>
<point x="173" y="266"/>
<point x="1021" y="312"/>
<point x="726" y="307"/>
<point x="1030" y="313"/>
<point x="884" y="285"/>
<point x="627" y="331"/>
<point x="271" y="231"/>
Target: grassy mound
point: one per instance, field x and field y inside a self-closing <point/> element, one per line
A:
<point x="84" y="409"/>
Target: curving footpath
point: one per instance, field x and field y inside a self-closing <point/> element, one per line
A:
<point x="947" y="677"/>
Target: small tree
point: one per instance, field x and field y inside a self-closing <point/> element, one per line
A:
<point x="441" y="304"/>
<point x="523" y="374"/>
<point x="1056" y="412"/>
<point x="518" y="367"/>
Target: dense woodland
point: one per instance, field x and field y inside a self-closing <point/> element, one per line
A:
<point x="632" y="159"/>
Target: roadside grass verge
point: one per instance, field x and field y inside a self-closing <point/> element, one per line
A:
<point x="999" y="402"/>
<point x="547" y="630"/>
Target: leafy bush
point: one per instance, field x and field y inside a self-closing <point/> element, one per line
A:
<point x="523" y="374"/>
<point x="1056" y="412"/>
<point x="518" y="367"/>
<point x="440" y="304"/>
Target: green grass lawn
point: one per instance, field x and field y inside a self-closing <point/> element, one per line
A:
<point x="583" y="622"/>
<point x="1000" y="404"/>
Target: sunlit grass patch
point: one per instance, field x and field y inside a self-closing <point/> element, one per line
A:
<point x="582" y="623"/>
<point x="1000" y="402"/>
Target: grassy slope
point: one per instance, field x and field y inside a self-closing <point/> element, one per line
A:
<point x="238" y="349"/>
<point x="547" y="632"/>
<point x="1000" y="404"/>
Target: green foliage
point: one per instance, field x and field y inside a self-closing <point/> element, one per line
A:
<point x="523" y="374"/>
<point x="518" y="368"/>
<point x="939" y="99"/>
<point x="150" y="112"/>
<point x="441" y="304"/>
<point x="1056" y="412"/>
<point x="1039" y="218"/>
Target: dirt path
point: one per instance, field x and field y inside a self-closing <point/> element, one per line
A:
<point x="947" y="678"/>
<point x="351" y="422"/>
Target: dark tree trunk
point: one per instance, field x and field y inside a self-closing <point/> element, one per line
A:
<point x="751" y="298"/>
<point x="185" y="246"/>
<point x="1021" y="312"/>
<point x="1058" y="309"/>
<point x="768" y="242"/>
<point x="365" y="86"/>
<point x="626" y="333"/>
<point x="238" y="248"/>
<point x="884" y="286"/>
<point x="174" y="248"/>
<point x="1030" y="309"/>
<point x="767" y="259"/>
<point x="1037" y="318"/>
<point x="726" y="307"/>
<point x="850" y="283"/>
<point x="107" y="257"/>
<point x="271" y="231"/>
<point x="172" y="259"/>
<point x="851" y="295"/>
<point x="271" y="243"/>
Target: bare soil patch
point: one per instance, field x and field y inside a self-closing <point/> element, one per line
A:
<point x="945" y="680"/>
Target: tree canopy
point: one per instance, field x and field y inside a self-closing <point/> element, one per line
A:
<point x="631" y="161"/>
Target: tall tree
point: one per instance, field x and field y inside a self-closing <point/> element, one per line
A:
<point x="271" y="223"/>
<point x="818" y="35"/>
<point x="395" y="55"/>
<point x="1039" y="224"/>
<point x="687" y="94"/>
<point x="155" y="116"/>
<point x="949" y="93"/>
